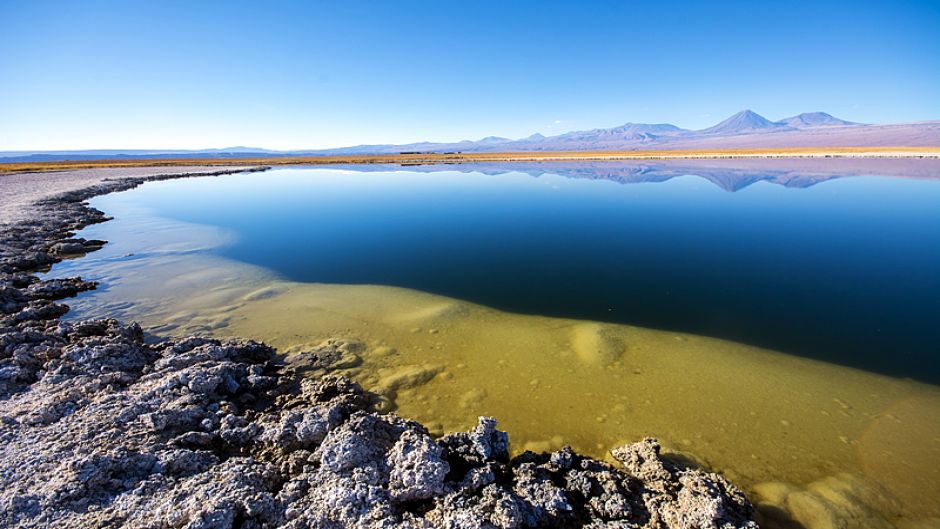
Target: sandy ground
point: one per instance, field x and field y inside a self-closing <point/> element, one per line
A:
<point x="19" y="191"/>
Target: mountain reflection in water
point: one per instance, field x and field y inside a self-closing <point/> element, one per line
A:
<point x="728" y="174"/>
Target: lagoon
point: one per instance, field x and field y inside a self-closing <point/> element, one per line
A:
<point x="765" y="321"/>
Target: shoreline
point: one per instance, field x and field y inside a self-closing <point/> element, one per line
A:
<point x="458" y="158"/>
<point x="100" y="426"/>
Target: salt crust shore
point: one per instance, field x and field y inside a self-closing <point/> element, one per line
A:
<point x="100" y="427"/>
<point x="19" y="191"/>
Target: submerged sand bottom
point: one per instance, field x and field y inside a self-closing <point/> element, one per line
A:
<point x="816" y="445"/>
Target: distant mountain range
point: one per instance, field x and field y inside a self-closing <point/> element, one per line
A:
<point x="744" y="130"/>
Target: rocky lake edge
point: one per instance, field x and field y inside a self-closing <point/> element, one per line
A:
<point x="102" y="426"/>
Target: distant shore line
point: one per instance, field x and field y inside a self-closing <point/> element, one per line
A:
<point x="475" y="157"/>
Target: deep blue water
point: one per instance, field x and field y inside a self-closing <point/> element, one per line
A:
<point x="845" y="270"/>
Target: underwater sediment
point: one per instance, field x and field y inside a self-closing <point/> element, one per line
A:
<point x="101" y="425"/>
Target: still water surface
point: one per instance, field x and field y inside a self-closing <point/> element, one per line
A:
<point x="584" y="305"/>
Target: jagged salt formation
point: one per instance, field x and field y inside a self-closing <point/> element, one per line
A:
<point x="102" y="428"/>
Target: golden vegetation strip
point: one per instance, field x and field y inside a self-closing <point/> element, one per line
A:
<point x="432" y="158"/>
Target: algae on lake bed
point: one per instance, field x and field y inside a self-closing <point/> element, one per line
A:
<point x="759" y="417"/>
<point x="812" y="440"/>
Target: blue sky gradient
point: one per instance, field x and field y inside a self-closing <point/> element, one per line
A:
<point x="286" y="75"/>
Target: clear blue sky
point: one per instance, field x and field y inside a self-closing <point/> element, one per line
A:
<point x="195" y="74"/>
